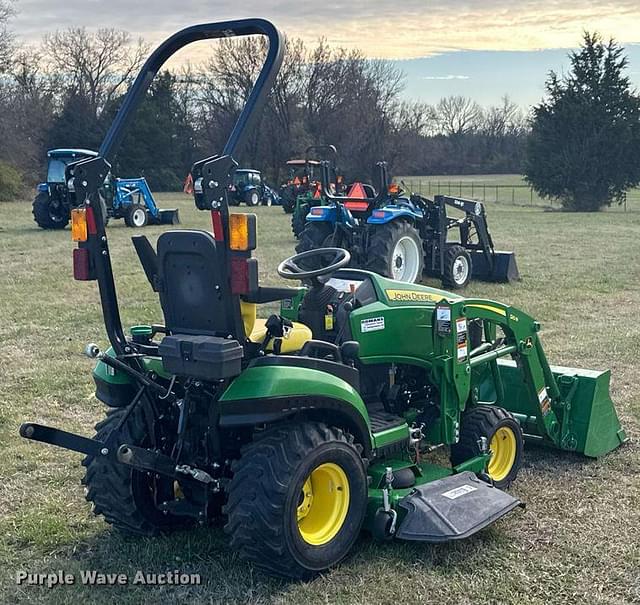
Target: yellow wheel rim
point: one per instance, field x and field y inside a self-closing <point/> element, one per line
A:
<point x="323" y="504"/>
<point x="503" y="453"/>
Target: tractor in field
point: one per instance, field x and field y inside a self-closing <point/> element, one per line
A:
<point x="249" y="187"/>
<point x="300" y="430"/>
<point x="405" y="236"/>
<point x="130" y="199"/>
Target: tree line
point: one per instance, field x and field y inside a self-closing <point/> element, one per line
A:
<point x="579" y="145"/>
<point x="65" y="93"/>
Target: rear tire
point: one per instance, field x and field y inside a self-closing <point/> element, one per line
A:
<point x="395" y="251"/>
<point x="457" y="268"/>
<point x="503" y="435"/>
<point x="299" y="220"/>
<point x="46" y="216"/>
<point x="297" y="499"/>
<point x="122" y="495"/>
<point x="136" y="216"/>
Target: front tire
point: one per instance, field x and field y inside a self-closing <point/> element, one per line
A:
<point x="503" y="435"/>
<point x="297" y="499"/>
<point x="395" y="251"/>
<point x="122" y="495"/>
<point x="457" y="268"/>
<point x="252" y="198"/>
<point x="136" y="216"/>
<point x="48" y="216"/>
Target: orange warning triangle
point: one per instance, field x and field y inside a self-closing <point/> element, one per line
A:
<point x="296" y="181"/>
<point x="317" y="194"/>
<point x="357" y="191"/>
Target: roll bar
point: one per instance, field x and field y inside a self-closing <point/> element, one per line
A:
<point x="89" y="174"/>
<point x="383" y="184"/>
<point x="206" y="31"/>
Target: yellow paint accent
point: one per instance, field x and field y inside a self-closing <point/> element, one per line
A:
<point x="503" y="453"/>
<point x="413" y="296"/>
<point x="256" y="330"/>
<point x="489" y="308"/>
<point x="298" y="335"/>
<point x="324" y="504"/>
<point x="248" y="311"/>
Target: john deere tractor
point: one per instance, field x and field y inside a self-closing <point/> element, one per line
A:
<point x="299" y="431"/>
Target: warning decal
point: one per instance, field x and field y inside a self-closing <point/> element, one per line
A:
<point x="452" y="494"/>
<point x="372" y="324"/>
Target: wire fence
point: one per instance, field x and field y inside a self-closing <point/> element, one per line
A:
<point x="515" y="195"/>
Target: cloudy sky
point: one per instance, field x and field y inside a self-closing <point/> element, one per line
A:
<point x="480" y="48"/>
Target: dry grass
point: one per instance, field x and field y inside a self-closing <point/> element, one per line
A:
<point x="578" y="541"/>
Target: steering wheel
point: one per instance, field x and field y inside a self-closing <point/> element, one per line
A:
<point x="289" y="268"/>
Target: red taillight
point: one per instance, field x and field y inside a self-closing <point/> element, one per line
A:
<point x="91" y="222"/>
<point x="81" y="270"/>
<point x="216" y="220"/>
<point x="357" y="206"/>
<point x="239" y="276"/>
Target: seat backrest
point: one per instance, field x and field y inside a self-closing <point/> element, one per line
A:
<point x="195" y="297"/>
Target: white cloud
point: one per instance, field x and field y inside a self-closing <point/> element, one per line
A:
<point x="414" y="28"/>
<point x="447" y="77"/>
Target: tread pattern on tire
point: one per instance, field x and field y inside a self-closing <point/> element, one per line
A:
<point x="299" y="220"/>
<point x="41" y="216"/>
<point x="480" y="421"/>
<point x="257" y="493"/>
<point x="381" y="247"/>
<point x="109" y="484"/>
<point x="450" y="255"/>
<point x="313" y="236"/>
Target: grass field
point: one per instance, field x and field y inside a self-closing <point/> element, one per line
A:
<point x="577" y="542"/>
<point x="501" y="188"/>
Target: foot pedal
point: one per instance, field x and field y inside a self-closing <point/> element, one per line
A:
<point x="452" y="508"/>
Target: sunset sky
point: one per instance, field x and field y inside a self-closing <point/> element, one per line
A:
<point x="482" y="49"/>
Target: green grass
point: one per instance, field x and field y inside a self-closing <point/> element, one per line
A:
<point x="501" y="188"/>
<point x="577" y="542"/>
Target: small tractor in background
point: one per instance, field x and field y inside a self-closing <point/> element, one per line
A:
<point x="53" y="202"/>
<point x="405" y="236"/>
<point x="130" y="199"/>
<point x="249" y="187"/>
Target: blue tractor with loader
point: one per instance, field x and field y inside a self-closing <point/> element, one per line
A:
<point x="130" y="199"/>
<point x="405" y="236"/>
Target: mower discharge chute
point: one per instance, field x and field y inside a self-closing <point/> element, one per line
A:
<point x="403" y="236"/>
<point x="299" y="430"/>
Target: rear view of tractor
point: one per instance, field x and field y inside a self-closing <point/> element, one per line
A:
<point x="405" y="236"/>
<point x="53" y="202"/>
<point x="300" y="430"/>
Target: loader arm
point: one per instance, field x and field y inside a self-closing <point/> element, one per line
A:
<point x="567" y="408"/>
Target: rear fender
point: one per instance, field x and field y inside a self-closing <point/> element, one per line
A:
<point x="385" y="215"/>
<point x="267" y="394"/>
<point x="323" y="214"/>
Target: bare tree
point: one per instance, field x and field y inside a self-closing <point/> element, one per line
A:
<point x="458" y="115"/>
<point x="6" y="37"/>
<point x="95" y="65"/>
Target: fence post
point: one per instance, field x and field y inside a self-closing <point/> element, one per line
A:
<point x="496" y="193"/>
<point x="471" y="189"/>
<point x="513" y="195"/>
<point x="484" y="192"/>
<point x="449" y="187"/>
<point x="429" y="188"/>
<point x="531" y="192"/>
<point x="460" y="194"/>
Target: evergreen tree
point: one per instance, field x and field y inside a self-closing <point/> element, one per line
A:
<point x="585" y="135"/>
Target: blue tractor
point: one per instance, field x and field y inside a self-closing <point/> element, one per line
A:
<point x="53" y="202"/>
<point x="249" y="187"/>
<point x="130" y="199"/>
<point x="403" y="236"/>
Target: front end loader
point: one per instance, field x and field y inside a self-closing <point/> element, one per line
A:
<point x="405" y="236"/>
<point x="298" y="431"/>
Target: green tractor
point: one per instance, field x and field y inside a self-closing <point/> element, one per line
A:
<point x="366" y="403"/>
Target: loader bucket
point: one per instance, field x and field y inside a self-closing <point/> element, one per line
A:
<point x="591" y="426"/>
<point x="169" y="217"/>
<point x="504" y="268"/>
